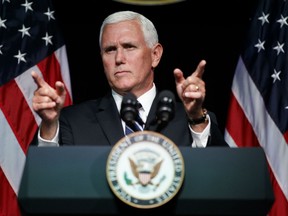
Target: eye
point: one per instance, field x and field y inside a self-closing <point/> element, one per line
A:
<point x="129" y="46"/>
<point x="110" y="49"/>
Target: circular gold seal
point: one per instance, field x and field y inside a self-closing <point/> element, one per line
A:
<point x="145" y="169"/>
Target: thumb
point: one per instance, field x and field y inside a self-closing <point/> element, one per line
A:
<point x="178" y="75"/>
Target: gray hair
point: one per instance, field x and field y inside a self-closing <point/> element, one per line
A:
<point x="148" y="28"/>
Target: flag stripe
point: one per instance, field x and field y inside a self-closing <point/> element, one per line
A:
<point x="51" y="72"/>
<point x="11" y="167"/>
<point x="237" y="116"/>
<point x="280" y="204"/>
<point x="50" y="69"/>
<point x="15" y="109"/>
<point x="27" y="86"/>
<point x="61" y="56"/>
<point x="8" y="199"/>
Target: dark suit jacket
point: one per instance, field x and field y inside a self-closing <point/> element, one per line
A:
<point x="97" y="122"/>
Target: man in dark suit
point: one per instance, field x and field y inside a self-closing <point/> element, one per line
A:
<point x="130" y="53"/>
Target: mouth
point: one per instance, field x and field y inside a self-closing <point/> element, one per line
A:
<point x="120" y="73"/>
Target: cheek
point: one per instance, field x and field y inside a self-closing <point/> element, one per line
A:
<point x="107" y="62"/>
<point x="108" y="68"/>
<point x="143" y="64"/>
<point x="108" y="71"/>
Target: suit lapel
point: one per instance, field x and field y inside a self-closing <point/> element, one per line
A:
<point x="109" y="119"/>
<point x="151" y="118"/>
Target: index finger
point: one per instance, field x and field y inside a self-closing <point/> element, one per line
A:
<point x="200" y="69"/>
<point x="38" y="79"/>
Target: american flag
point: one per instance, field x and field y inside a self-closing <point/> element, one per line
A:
<point x="29" y="40"/>
<point x="258" y="110"/>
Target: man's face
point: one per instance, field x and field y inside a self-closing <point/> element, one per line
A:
<point x="127" y="60"/>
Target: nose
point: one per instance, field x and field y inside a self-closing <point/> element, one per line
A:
<point x="120" y="57"/>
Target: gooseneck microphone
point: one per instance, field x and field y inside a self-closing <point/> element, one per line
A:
<point x="165" y="110"/>
<point x="165" y="107"/>
<point x="128" y="110"/>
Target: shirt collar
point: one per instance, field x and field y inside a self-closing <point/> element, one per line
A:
<point x="146" y="99"/>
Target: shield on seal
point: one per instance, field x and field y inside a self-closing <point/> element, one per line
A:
<point x="144" y="178"/>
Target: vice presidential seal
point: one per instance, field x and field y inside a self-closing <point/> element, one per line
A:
<point x="145" y="169"/>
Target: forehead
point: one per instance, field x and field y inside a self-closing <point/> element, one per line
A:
<point x="122" y="31"/>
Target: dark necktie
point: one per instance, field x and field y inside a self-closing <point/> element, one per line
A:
<point x="137" y="124"/>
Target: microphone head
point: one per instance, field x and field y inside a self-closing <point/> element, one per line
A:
<point x="166" y="106"/>
<point x="128" y="110"/>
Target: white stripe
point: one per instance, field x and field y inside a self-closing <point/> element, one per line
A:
<point x="229" y="139"/>
<point x="61" y="55"/>
<point x="268" y="134"/>
<point x="27" y="86"/>
<point x="12" y="158"/>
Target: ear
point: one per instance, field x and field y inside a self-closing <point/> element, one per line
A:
<point x="156" y="53"/>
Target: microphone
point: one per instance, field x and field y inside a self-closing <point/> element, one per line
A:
<point x="165" y="107"/>
<point x="128" y="110"/>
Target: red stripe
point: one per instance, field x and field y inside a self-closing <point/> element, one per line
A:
<point x="51" y="71"/>
<point x="239" y="127"/>
<point x="8" y="199"/>
<point x="286" y="136"/>
<point x="18" y="114"/>
<point x="280" y="206"/>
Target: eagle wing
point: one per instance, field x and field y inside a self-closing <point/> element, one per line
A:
<point x="156" y="169"/>
<point x="134" y="168"/>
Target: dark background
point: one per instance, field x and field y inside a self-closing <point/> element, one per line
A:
<point x="189" y="31"/>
